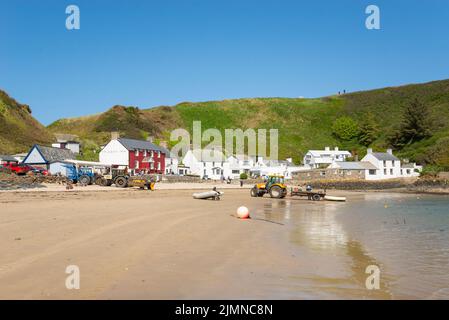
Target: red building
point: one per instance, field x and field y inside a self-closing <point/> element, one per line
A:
<point x="138" y="155"/>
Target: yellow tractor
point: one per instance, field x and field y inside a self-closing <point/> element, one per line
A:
<point x="274" y="186"/>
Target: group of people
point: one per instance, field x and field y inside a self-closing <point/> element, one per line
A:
<point x="228" y="179"/>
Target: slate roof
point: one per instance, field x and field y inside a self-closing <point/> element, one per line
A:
<point x="133" y="144"/>
<point x="356" y="165"/>
<point x="7" y="158"/>
<point x="384" y="156"/>
<point x="316" y="153"/>
<point x="55" y="154"/>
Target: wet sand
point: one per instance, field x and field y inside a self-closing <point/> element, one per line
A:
<point x="133" y="244"/>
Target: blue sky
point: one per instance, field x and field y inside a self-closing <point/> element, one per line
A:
<point x="150" y="53"/>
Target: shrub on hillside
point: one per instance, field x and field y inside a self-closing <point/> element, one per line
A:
<point x="345" y="128"/>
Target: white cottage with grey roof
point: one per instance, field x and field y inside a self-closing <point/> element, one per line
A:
<point x="323" y="158"/>
<point x="360" y="169"/>
<point x="44" y="156"/>
<point x="387" y="165"/>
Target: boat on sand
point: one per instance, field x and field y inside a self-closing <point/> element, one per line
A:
<point x="213" y="194"/>
<point x="333" y="198"/>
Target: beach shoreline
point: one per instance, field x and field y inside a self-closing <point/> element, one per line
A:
<point x="141" y="244"/>
<point x="135" y="244"/>
<point x="52" y="187"/>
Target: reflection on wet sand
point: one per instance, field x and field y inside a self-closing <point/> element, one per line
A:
<point x="315" y="228"/>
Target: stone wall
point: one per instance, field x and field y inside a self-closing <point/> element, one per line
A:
<point x="357" y="184"/>
<point x="326" y="174"/>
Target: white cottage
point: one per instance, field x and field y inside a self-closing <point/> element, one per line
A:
<point x="47" y="156"/>
<point x="387" y="165"/>
<point x="207" y="164"/>
<point x="67" y="141"/>
<point x="353" y="169"/>
<point x="323" y="158"/>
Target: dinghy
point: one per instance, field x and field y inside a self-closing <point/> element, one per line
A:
<point x="333" y="198"/>
<point x="215" y="195"/>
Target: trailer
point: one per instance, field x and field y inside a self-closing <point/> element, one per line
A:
<point x="311" y="195"/>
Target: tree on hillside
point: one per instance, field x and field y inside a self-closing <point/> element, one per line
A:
<point x="415" y="125"/>
<point x="345" y="128"/>
<point x="368" y="130"/>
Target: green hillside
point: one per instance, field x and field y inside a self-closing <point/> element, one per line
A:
<point x="18" y="129"/>
<point x="303" y="123"/>
<point x="352" y="121"/>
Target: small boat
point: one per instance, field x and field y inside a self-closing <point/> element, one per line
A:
<point x="333" y="198"/>
<point x="215" y="195"/>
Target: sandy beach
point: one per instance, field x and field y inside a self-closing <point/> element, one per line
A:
<point x="134" y="244"/>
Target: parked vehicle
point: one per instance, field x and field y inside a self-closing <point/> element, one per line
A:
<point x="41" y="171"/>
<point x="113" y="175"/>
<point x="18" y="169"/>
<point x="83" y="175"/>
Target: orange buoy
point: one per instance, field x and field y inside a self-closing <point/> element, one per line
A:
<point x="243" y="213"/>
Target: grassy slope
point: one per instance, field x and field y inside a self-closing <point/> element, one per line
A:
<point x="303" y="123"/>
<point x="18" y="129"/>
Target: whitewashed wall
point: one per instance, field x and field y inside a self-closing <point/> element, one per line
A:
<point x="114" y="153"/>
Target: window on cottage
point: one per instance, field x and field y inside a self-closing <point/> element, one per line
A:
<point x="136" y="153"/>
<point x="391" y="171"/>
<point x="145" y="153"/>
<point x="159" y="166"/>
<point x="158" y="154"/>
<point x="372" y="172"/>
<point x="136" y="164"/>
<point x="385" y="172"/>
<point x="152" y="165"/>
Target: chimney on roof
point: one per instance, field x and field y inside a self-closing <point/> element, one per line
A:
<point x="390" y="151"/>
<point x="327" y="149"/>
<point x="115" y="135"/>
<point x="336" y="149"/>
<point x="150" y="139"/>
<point x="369" y="151"/>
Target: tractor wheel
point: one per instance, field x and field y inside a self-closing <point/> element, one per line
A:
<point x="103" y="182"/>
<point x="121" y="182"/>
<point x="254" y="192"/>
<point x="99" y="181"/>
<point x="84" y="180"/>
<point x="316" y="197"/>
<point x="276" y="192"/>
